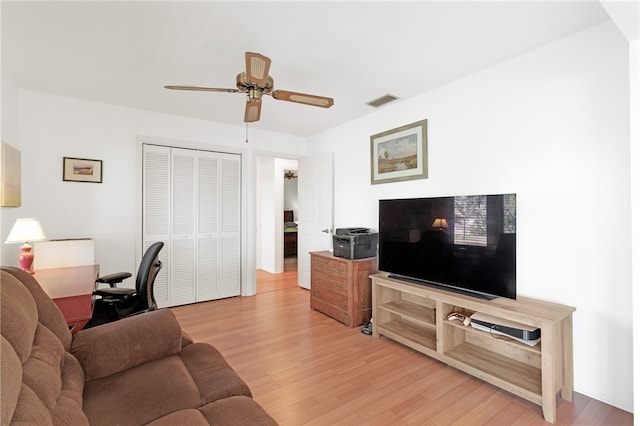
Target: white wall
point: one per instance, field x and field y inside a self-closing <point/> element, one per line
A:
<point x="552" y="126"/>
<point x="267" y="191"/>
<point x="52" y="127"/>
<point x="10" y="135"/>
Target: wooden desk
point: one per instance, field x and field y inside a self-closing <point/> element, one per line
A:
<point x="72" y="291"/>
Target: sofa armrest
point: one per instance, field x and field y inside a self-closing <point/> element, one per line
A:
<point x="117" y="346"/>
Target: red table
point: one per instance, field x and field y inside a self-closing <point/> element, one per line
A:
<point x="71" y="289"/>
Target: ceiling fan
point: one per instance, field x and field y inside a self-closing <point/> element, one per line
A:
<point x="290" y="174"/>
<point x="256" y="82"/>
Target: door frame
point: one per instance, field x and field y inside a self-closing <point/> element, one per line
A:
<point x="270" y="238"/>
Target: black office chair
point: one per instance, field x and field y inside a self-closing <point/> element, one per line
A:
<point x="119" y="302"/>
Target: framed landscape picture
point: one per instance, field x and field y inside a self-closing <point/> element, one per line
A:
<point x="81" y="170"/>
<point x="399" y="154"/>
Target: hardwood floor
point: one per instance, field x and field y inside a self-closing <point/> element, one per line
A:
<point x="305" y="368"/>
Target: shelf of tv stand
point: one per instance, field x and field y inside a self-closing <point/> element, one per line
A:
<point x="516" y="377"/>
<point x="409" y="334"/>
<point x="416" y="312"/>
<point x="416" y="316"/>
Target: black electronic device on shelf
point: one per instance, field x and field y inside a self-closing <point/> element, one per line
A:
<point x="461" y="243"/>
<point x="504" y="327"/>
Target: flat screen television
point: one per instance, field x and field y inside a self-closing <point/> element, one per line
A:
<point x="461" y="243"/>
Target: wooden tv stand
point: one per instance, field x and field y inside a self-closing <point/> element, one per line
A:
<point x="416" y="316"/>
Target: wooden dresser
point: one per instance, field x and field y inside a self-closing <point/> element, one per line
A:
<point x="341" y="288"/>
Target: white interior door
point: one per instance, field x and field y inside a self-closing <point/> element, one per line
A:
<point x="315" y="219"/>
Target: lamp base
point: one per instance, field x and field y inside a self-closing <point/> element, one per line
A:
<point x="25" y="258"/>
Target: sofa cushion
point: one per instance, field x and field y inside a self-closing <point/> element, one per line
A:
<point x="18" y="316"/>
<point x="11" y="379"/>
<point x="30" y="410"/>
<point x="213" y="376"/>
<point x="237" y="410"/>
<point x="141" y="394"/>
<point x="48" y="313"/>
<point x="42" y="371"/>
<point x="191" y="417"/>
<point x="116" y="346"/>
<point x="68" y="409"/>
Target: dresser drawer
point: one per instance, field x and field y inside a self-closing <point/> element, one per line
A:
<point x="337" y="299"/>
<point x="340" y="284"/>
<point x="330" y="310"/>
<point x="330" y="266"/>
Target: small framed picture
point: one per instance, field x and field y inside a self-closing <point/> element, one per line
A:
<point x="399" y="154"/>
<point x="81" y="170"/>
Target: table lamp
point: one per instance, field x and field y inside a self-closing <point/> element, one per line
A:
<point x="440" y="222"/>
<point x="26" y="230"/>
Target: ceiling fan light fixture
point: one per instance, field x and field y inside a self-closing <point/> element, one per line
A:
<point x="244" y="84"/>
<point x="254" y="95"/>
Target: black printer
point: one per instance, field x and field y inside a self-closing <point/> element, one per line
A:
<point x="355" y="243"/>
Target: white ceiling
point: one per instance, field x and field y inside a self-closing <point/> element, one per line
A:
<point x="125" y="52"/>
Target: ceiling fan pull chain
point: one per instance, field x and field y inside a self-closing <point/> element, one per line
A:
<point x="246" y="136"/>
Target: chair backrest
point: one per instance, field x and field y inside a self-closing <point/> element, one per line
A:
<point x="288" y="215"/>
<point x="147" y="272"/>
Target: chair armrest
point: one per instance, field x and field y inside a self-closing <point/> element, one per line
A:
<point x="110" y="279"/>
<point x="110" y="348"/>
<point x="115" y="294"/>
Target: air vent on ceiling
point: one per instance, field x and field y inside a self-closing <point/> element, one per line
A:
<point x="382" y="100"/>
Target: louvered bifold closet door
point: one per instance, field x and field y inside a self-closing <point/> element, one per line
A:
<point x="208" y="227"/>
<point x="156" y="172"/>
<point x="192" y="203"/>
<point x="230" y="266"/>
<point x="183" y="230"/>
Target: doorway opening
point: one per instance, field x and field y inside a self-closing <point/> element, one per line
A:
<point x="277" y="216"/>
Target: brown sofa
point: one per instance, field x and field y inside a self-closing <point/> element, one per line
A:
<point x="140" y="370"/>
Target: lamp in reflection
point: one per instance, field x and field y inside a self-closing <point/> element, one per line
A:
<point x="440" y="223"/>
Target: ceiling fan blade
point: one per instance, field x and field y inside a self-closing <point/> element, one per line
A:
<point x="202" y="89"/>
<point x="257" y="68"/>
<point x="302" y="98"/>
<point x="252" y="110"/>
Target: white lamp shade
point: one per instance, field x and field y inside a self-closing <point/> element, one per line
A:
<point x="26" y="230"/>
